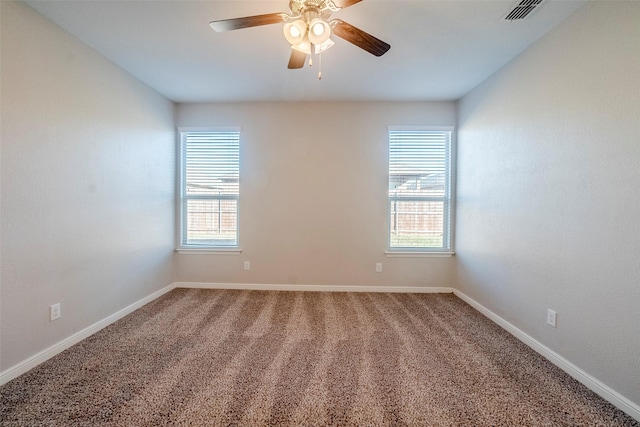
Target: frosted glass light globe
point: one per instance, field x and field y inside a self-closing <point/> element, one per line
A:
<point x="318" y="29"/>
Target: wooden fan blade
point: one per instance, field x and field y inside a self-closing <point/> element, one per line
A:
<point x="297" y="59"/>
<point x="345" y="3"/>
<point x="248" y="21"/>
<point x="359" y="38"/>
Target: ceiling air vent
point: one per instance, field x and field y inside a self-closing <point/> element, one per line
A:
<point x="522" y="9"/>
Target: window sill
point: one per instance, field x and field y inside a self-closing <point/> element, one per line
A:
<point x="418" y="254"/>
<point x="208" y="251"/>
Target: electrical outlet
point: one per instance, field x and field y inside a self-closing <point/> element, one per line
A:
<point x="551" y="318"/>
<point x="247" y="265"/>
<point x="55" y="312"/>
<point x="378" y="267"/>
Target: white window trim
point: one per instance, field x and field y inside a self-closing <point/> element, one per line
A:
<point x="207" y="251"/>
<point x="405" y="252"/>
<point x="181" y="215"/>
<point x="418" y="254"/>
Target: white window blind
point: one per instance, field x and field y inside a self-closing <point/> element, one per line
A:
<point x="420" y="189"/>
<point x="210" y="188"/>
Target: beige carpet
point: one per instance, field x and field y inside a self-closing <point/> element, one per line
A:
<point x="211" y="357"/>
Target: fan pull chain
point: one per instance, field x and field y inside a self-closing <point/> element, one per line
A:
<point x="319" y="61"/>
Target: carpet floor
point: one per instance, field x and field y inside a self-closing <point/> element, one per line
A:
<point x="257" y="358"/>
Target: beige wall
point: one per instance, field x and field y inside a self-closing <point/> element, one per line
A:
<point x="313" y="195"/>
<point x="548" y="206"/>
<point x="87" y="216"/>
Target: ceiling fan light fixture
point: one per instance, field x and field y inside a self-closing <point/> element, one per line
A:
<point x="319" y="31"/>
<point x="319" y="48"/>
<point x="295" y="31"/>
<point x="304" y="46"/>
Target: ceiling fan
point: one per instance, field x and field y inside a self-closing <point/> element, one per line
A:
<point x="308" y="29"/>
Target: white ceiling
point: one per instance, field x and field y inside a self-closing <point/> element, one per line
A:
<point x="440" y="50"/>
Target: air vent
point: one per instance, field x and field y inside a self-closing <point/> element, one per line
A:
<point x="522" y="9"/>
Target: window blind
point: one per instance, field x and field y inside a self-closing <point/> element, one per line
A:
<point x="210" y="186"/>
<point x="419" y="189"/>
<point x="212" y="162"/>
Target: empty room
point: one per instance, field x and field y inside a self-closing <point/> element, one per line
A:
<point x="320" y="212"/>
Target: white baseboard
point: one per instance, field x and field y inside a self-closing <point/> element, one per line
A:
<point x="30" y="363"/>
<point x="314" y="288"/>
<point x="589" y="381"/>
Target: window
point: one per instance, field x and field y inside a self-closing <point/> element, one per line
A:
<point x="210" y="188"/>
<point x="420" y="189"/>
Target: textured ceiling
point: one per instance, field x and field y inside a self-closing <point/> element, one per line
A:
<point x="440" y="50"/>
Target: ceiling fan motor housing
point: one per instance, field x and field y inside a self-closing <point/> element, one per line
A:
<point x="298" y="7"/>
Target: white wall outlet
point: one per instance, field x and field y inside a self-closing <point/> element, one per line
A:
<point x="247" y="265"/>
<point x="551" y="317"/>
<point x="55" y="312"/>
<point x="378" y="267"/>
